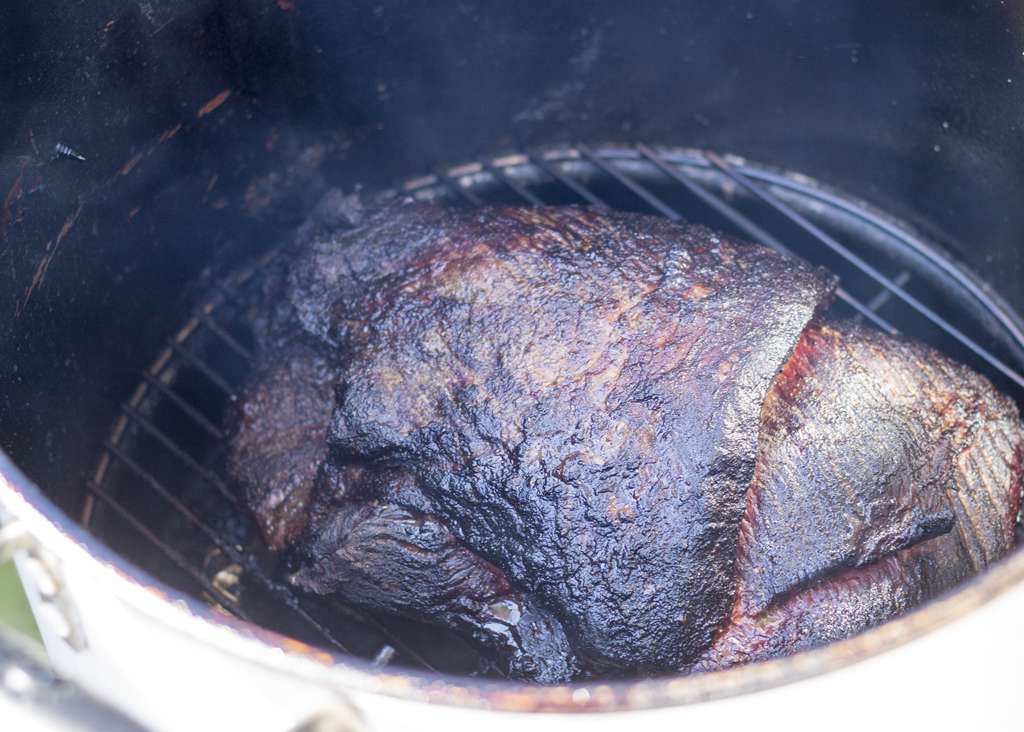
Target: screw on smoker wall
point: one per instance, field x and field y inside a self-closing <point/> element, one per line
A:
<point x="65" y="152"/>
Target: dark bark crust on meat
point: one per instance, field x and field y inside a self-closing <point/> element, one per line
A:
<point x="591" y="442"/>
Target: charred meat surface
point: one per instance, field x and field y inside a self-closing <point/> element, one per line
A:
<point x="604" y="443"/>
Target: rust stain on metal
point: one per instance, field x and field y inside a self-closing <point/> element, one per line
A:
<point x="130" y="164"/>
<point x="213" y="103"/>
<point x="12" y="195"/>
<point x="170" y="132"/>
<point x="286" y="4"/>
<point x="290" y="645"/>
<point x="131" y="214"/>
<point x="156" y="592"/>
<point x="51" y="251"/>
<point x="66" y="228"/>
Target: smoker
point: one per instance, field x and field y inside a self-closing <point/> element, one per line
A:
<point x="153" y="155"/>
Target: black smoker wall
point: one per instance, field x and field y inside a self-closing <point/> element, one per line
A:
<point x="209" y="125"/>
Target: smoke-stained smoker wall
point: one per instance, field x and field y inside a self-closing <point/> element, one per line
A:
<point x="915" y="108"/>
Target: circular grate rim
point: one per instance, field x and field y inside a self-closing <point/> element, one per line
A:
<point x="890" y="276"/>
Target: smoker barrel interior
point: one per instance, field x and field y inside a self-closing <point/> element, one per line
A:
<point x="209" y="129"/>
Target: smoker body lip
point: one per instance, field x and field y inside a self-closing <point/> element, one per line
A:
<point x="22" y="499"/>
<point x="248" y="643"/>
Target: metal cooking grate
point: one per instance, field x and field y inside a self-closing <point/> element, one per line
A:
<point x="158" y="476"/>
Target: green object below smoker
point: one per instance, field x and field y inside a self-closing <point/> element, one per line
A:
<point x="14" y="609"/>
